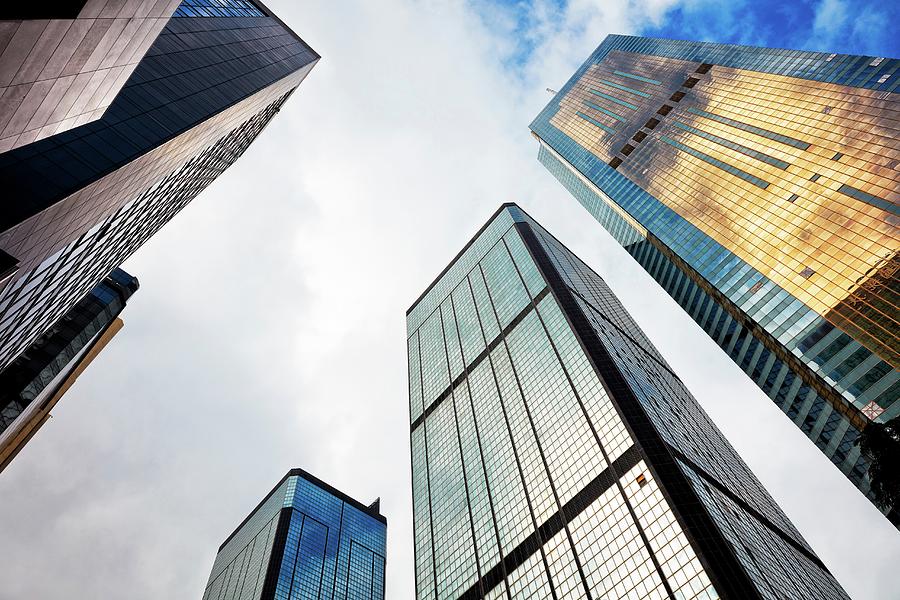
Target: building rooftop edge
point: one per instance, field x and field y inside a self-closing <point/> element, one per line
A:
<point x="272" y="14"/>
<point x="298" y="472"/>
<point x="471" y="241"/>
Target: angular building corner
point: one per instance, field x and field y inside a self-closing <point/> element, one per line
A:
<point x="556" y="455"/>
<point x="305" y="539"/>
<point x="761" y="189"/>
<point x="35" y="382"/>
<point x="129" y="110"/>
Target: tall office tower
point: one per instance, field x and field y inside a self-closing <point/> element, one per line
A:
<point x="32" y="385"/>
<point x="89" y="192"/>
<point x="761" y="189"/>
<point x="304" y="540"/>
<point x="556" y="455"/>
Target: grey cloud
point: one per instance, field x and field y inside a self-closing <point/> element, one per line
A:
<point x="269" y="329"/>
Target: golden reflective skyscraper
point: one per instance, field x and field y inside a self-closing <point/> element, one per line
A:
<point x="760" y="188"/>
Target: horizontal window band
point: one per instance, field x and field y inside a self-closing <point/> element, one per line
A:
<point x="554" y="524"/>
<point x="625" y="88"/>
<point x="751" y="129"/>
<point x="870" y="199"/>
<point x="717" y="163"/>
<point x="477" y="360"/>
<point x="605" y="111"/>
<point x="595" y="122"/>
<point x="637" y="77"/>
<point x="771" y="160"/>
<point x="613" y="99"/>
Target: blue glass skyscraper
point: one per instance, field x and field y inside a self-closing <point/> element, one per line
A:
<point x="305" y="540"/>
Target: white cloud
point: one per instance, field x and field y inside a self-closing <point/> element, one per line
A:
<point x="830" y="18"/>
<point x="269" y="330"/>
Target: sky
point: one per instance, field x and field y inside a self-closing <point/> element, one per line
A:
<point x="269" y="329"/>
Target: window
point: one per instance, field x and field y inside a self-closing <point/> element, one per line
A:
<point x="876" y="61"/>
<point x="792" y="197"/>
<point x="627" y="149"/>
<point x="615" y="162"/>
<point x="826" y="110"/>
<point x="807" y="273"/>
<point x="691" y="82"/>
<point x="884" y="78"/>
<point x="704" y="68"/>
<point x="641" y="480"/>
<point x="639" y="136"/>
<point x="664" y="110"/>
<point x="830" y="57"/>
<point x="651" y="123"/>
<point x="677" y="96"/>
<point x="218" y="8"/>
<point x="815" y="177"/>
<point x="837" y="156"/>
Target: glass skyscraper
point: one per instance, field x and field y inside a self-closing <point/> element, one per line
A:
<point x="761" y="189"/>
<point x="32" y="385"/>
<point x="305" y="540"/>
<point x="85" y="194"/>
<point x="556" y="455"/>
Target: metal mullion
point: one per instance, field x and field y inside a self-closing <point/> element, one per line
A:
<point x="487" y="486"/>
<point x="427" y="475"/>
<point x="462" y="459"/>
<point x="297" y="554"/>
<point x="513" y="445"/>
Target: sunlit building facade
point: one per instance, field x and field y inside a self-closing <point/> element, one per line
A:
<point x="761" y="189"/>
<point x="82" y="195"/>
<point x="556" y="455"/>
<point x="36" y="381"/>
<point x="305" y="540"/>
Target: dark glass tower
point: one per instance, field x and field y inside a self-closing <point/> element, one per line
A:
<point x="79" y="201"/>
<point x="32" y="385"/>
<point x="556" y="455"/>
<point x="759" y="187"/>
<point x="304" y="540"/>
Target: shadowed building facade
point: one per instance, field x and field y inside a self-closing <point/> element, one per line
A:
<point x="63" y="62"/>
<point x="761" y="189"/>
<point x="556" y="455"/>
<point x="32" y="385"/>
<point x="78" y="202"/>
<point x="304" y="540"/>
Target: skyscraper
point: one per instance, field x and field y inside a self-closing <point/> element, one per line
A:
<point x="81" y="199"/>
<point x="759" y="187"/>
<point x="32" y="385"/>
<point x="304" y="540"/>
<point x="556" y="455"/>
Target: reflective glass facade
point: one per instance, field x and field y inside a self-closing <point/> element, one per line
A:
<point x="759" y="187"/>
<point x="62" y="63"/>
<point x="305" y="540"/>
<point x="556" y="455"/>
<point x="32" y="385"/>
<point x="84" y="199"/>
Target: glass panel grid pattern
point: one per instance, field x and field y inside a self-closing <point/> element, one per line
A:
<point x="527" y="482"/>
<point x="766" y="181"/>
<point x="218" y="8"/>
<point x="303" y="542"/>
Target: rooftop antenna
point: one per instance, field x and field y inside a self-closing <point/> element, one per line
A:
<point x="552" y="91"/>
